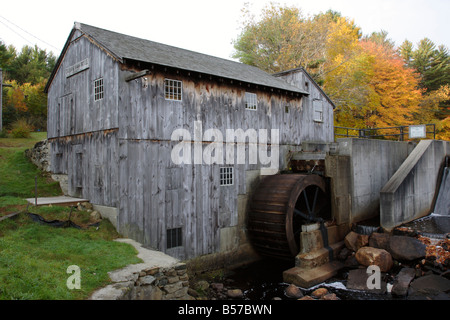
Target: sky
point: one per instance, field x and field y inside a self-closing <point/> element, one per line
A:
<point x="208" y="26"/>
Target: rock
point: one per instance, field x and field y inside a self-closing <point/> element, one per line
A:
<point x="235" y="293"/>
<point x="307" y="298"/>
<point x="95" y="215"/>
<point x="192" y="292"/>
<point x="406" y="248"/>
<point x="292" y="291"/>
<point x="217" y="286"/>
<point x="402" y="281"/>
<point x="379" y="240"/>
<point x="351" y="262"/>
<point x="354" y="241"/>
<point x="319" y="293"/>
<point x="88" y="206"/>
<point x="330" y="296"/>
<point x="368" y="256"/>
<point x="344" y="253"/>
<point x="202" y="285"/>
<point x="428" y="287"/>
<point x="357" y="280"/>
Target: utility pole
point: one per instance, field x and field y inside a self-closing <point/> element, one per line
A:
<point x="1" y="96"/>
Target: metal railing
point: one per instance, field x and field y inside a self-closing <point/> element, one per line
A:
<point x="398" y="132"/>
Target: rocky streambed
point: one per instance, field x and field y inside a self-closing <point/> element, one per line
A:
<point x="412" y="267"/>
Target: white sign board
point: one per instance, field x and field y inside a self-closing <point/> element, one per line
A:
<point x="78" y="67"/>
<point x="416" y="132"/>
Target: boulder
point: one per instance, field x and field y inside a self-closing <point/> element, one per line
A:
<point x="319" y="293"/>
<point x="406" y="248"/>
<point x="368" y="256"/>
<point x="379" y="240"/>
<point x="429" y="287"/>
<point x="354" y="241"/>
<point x="292" y="291"/>
<point x="357" y="280"/>
<point x="402" y="281"/>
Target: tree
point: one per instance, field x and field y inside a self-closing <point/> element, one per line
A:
<point x="433" y="65"/>
<point x="31" y="65"/>
<point x="395" y="85"/>
<point x="283" y="38"/>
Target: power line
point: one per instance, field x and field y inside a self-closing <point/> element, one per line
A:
<point x="25" y="32"/>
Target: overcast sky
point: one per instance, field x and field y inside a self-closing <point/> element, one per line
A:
<point x="207" y="26"/>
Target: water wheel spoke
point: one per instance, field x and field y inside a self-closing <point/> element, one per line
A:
<point x="289" y="210"/>
<point x="315" y="200"/>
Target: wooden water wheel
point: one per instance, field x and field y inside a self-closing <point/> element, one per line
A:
<point x="274" y="222"/>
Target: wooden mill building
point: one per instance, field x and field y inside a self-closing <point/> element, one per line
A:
<point x="114" y="103"/>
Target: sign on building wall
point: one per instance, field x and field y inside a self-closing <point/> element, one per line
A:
<point x="78" y="67"/>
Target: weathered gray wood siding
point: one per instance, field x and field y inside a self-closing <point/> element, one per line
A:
<point x="156" y="194"/>
<point x="312" y="130"/>
<point x="82" y="132"/>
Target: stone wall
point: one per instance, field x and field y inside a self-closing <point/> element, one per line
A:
<point x="149" y="284"/>
<point x="40" y="155"/>
<point x="159" y="277"/>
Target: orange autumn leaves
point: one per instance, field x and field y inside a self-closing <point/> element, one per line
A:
<point x="367" y="77"/>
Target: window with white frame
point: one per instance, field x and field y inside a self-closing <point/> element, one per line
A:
<point x="226" y="176"/>
<point x="173" y="89"/>
<point x="318" y="111"/>
<point x="98" y="89"/>
<point x="250" y="101"/>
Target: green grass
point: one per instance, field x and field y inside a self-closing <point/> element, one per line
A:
<point x="34" y="258"/>
<point x="18" y="173"/>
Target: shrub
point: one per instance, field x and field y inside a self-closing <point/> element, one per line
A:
<point x="21" y="129"/>
<point x="3" y="134"/>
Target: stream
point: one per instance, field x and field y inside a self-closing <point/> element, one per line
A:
<point x="263" y="280"/>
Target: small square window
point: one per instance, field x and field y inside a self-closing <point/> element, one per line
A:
<point x="173" y="89"/>
<point x="226" y="176"/>
<point x="98" y="89"/>
<point x="174" y="238"/>
<point x="250" y="101"/>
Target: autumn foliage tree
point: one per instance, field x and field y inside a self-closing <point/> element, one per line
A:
<point x="372" y="83"/>
<point x="26" y="72"/>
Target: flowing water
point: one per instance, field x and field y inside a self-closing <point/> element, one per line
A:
<point x="263" y="280"/>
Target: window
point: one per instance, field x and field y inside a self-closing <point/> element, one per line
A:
<point x="318" y="111"/>
<point x="226" y="176"/>
<point x="98" y="89"/>
<point x="173" y="89"/>
<point x="250" y="101"/>
<point x="174" y="238"/>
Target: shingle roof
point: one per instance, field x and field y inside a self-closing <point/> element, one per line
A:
<point x="127" y="47"/>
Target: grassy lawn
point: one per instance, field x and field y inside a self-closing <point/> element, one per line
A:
<point x="33" y="257"/>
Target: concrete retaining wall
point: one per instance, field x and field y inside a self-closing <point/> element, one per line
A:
<point x="371" y="164"/>
<point x="409" y="193"/>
